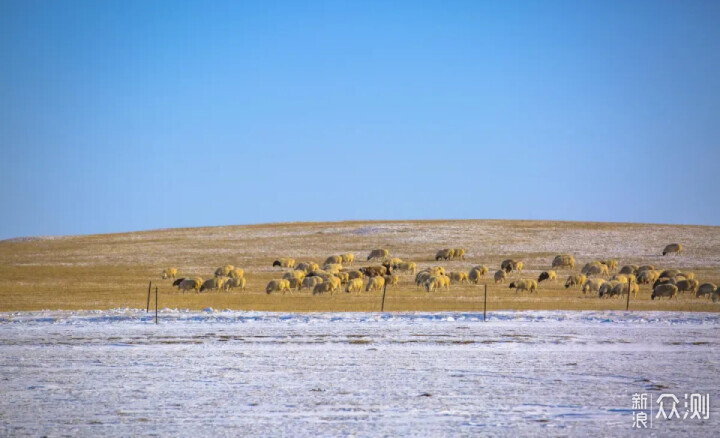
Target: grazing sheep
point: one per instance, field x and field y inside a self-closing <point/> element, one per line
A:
<point x="216" y="283"/>
<point x="647" y="276"/>
<point x="646" y="268"/>
<point x="235" y="282"/>
<point x="333" y="260"/>
<point x="622" y="289"/>
<point x="310" y="282"/>
<point x="592" y="285"/>
<point x="236" y="273"/>
<point x="295" y="283"/>
<point x="612" y="264"/>
<point x="507" y="265"/>
<point x="716" y="295"/>
<point x="332" y="267"/>
<point x="375" y="283"/>
<point x="422" y="277"/>
<point x="355" y="274"/>
<point x="334" y="282"/>
<point x="628" y="269"/>
<point x="392" y="280"/>
<point x="354" y="285"/>
<point x="594" y="268"/>
<point x="223" y="271"/>
<point x="410" y="267"/>
<point x="563" y="261"/>
<point x="445" y="254"/>
<point x="308" y="267"/>
<point x="477" y="273"/>
<point x="281" y="285"/>
<point x="526" y="284"/>
<point x="169" y="273"/>
<point x="664" y="290"/>
<point x="348" y="258"/>
<point x="672" y="248"/>
<point x="459" y="253"/>
<point x="322" y="274"/>
<point x="685" y="276"/>
<point x="374" y="271"/>
<point x="606" y="288"/>
<point x="343" y="276"/>
<point x="705" y="289"/>
<point x="623" y="278"/>
<point x="499" y="276"/>
<point x="378" y="254"/>
<point x="191" y="284"/>
<point x="300" y="275"/>
<point x="322" y="288"/>
<point x="547" y="275"/>
<point x="284" y="262"/>
<point x="687" y="286"/>
<point x="178" y="281"/>
<point x="436" y="270"/>
<point x="575" y="280"/>
<point x="664" y="280"/>
<point x="670" y="273"/>
<point x="436" y="282"/>
<point x="458" y="277"/>
<point x="391" y="262"/>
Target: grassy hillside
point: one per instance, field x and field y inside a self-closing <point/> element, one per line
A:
<point x="113" y="270"/>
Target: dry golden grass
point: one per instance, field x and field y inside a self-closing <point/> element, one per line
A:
<point x="113" y="270"/>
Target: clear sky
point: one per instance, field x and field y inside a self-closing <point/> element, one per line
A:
<point x="132" y="115"/>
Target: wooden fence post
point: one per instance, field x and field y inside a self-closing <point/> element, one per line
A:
<point x="156" y="304"/>
<point x="485" y="304"/>
<point x="148" y="300"/>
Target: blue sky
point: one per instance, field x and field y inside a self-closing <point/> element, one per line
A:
<point x="132" y="115"/>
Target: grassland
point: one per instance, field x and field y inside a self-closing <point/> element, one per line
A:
<point x="113" y="270"/>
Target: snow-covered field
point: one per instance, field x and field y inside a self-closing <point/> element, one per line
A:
<point x="240" y="373"/>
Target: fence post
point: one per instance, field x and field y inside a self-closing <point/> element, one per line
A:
<point x="485" y="304"/>
<point x="382" y="306"/>
<point x="627" y="304"/>
<point x="148" y="300"/>
<point x="156" y="305"/>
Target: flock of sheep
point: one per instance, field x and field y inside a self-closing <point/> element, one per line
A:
<point x="337" y="272"/>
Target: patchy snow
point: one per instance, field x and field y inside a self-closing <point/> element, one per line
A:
<point x="233" y="373"/>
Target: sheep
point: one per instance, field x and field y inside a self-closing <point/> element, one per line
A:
<point x="664" y="280"/>
<point x="646" y="268"/>
<point x="391" y="262"/>
<point x="216" y="283"/>
<point x="375" y="283"/>
<point x="622" y="289"/>
<point x="190" y="284"/>
<point x="422" y="277"/>
<point x="547" y="275"/>
<point x="592" y="285"/>
<point x="705" y="289"/>
<point x="563" y="261"/>
<point x="670" y="273"/>
<point x="334" y="283"/>
<point x="672" y="248"/>
<point x="623" y="278"/>
<point x="308" y="267"/>
<point x="526" y="284"/>
<point x="322" y="288"/>
<point x="445" y="254"/>
<point x="236" y="273"/>
<point x="354" y="285"/>
<point x="295" y="283"/>
<point x="687" y="286"/>
<point x="391" y="280"/>
<point x="311" y="282"/>
<point x="594" y="268"/>
<point x="380" y="253"/>
<point x="410" y="267"/>
<point x="348" y="258"/>
<point x="169" y="273"/>
<point x="476" y="274"/>
<point x="606" y="288"/>
<point x="280" y="285"/>
<point x="223" y="271"/>
<point x="685" y="276"/>
<point x="459" y="253"/>
<point x="458" y="277"/>
<point x="355" y="274"/>
<point x="499" y="276"/>
<point x="436" y="282"/>
<point x="333" y="260"/>
<point x="628" y="269"/>
<point x="343" y="276"/>
<point x="300" y="275"/>
<point x="647" y="276"/>
<point x="235" y="282"/>
<point x="178" y="281"/>
<point x="575" y="280"/>
<point x="284" y="262"/>
<point x="612" y="264"/>
<point x="322" y="274"/>
<point x="664" y="290"/>
<point x="332" y="267"/>
<point x="374" y="271"/>
<point x="716" y="295"/>
<point x="436" y="270"/>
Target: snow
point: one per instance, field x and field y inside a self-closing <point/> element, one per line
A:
<point x="230" y="373"/>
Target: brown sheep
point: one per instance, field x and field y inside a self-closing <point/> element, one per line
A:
<point x="354" y="285"/>
<point x="169" y="273"/>
<point x="445" y="254"/>
<point x="191" y="284"/>
<point x="281" y="285"/>
<point x="547" y="275"/>
<point x="348" y="258"/>
<point x="235" y="283"/>
<point x="284" y="262"/>
<point x="563" y="261"/>
<point x="374" y="271"/>
<point x="526" y="284"/>
<point x="333" y="260"/>
<point x="499" y="276"/>
<point x="664" y="290"/>
<point x="311" y="282"/>
<point x="705" y="289"/>
<point x="675" y="248"/>
<point x="216" y="283"/>
<point x="687" y="286"/>
<point x="410" y="267"/>
<point x="459" y="253"/>
<point x="321" y="288"/>
<point x="375" y="283"/>
<point x="458" y="277"/>
<point x="391" y="280"/>
<point x="378" y="254"/>
<point x="223" y="271"/>
<point x="575" y="280"/>
<point x="476" y="274"/>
